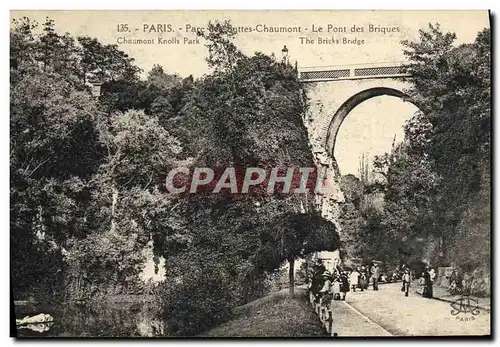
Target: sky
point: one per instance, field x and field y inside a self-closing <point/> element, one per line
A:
<point x="370" y="128"/>
<point x="189" y="59"/>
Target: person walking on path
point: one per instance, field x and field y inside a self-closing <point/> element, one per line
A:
<point x="406" y="282"/>
<point x="354" y="279"/>
<point x="432" y="274"/>
<point x="363" y="279"/>
<point x="336" y="285"/>
<point x="427" y="293"/>
<point x="375" y="275"/>
<point x="344" y="284"/>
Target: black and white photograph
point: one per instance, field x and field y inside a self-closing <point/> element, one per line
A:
<point x="250" y="173"/>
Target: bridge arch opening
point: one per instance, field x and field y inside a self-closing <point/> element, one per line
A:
<point x="344" y="110"/>
<point x="365" y="125"/>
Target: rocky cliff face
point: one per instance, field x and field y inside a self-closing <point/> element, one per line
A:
<point x="329" y="202"/>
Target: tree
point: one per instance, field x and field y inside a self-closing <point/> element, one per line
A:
<point x="247" y="113"/>
<point x="293" y="236"/>
<point x="127" y="207"/>
<point x="453" y="92"/>
<point x="434" y="178"/>
<point x="223" y="55"/>
<point x="84" y="184"/>
<point x="451" y="86"/>
<point x="440" y="173"/>
<point x="161" y="80"/>
<point x="54" y="152"/>
<point x="105" y="63"/>
<point x="47" y="51"/>
<point x="165" y="93"/>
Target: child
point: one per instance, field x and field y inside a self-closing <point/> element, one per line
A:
<point x="354" y="279"/>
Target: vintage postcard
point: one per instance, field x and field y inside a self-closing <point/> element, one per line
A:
<point x="250" y="173"/>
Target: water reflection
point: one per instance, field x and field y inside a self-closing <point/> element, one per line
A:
<point x="37" y="327"/>
<point x="95" y="320"/>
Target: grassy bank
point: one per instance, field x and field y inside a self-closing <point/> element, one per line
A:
<point x="275" y="315"/>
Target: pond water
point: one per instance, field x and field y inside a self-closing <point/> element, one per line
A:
<point x="95" y="320"/>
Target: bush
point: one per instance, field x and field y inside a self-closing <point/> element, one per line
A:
<point x="200" y="300"/>
<point x="470" y="247"/>
<point x="251" y="285"/>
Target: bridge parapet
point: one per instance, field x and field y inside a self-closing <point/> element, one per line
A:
<point x="352" y="72"/>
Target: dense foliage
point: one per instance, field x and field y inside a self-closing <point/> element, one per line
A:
<point x="247" y="113"/>
<point x="87" y="174"/>
<point x="436" y="183"/>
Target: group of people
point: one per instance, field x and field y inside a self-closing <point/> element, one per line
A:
<point x="338" y="283"/>
<point x="362" y="276"/>
<point x="342" y="281"/>
<point x="324" y="283"/>
<point x="456" y="282"/>
<point x="427" y="280"/>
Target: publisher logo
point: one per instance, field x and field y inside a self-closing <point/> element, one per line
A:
<point x="465" y="308"/>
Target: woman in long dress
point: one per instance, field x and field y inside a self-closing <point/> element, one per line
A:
<point x="427" y="285"/>
<point x="363" y="279"/>
<point x="344" y="284"/>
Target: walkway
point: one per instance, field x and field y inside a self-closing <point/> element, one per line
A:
<point x="398" y="315"/>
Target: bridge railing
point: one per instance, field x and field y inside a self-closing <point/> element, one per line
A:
<point x="350" y="72"/>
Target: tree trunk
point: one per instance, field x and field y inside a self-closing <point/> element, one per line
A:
<point x="114" y="201"/>
<point x="291" y="281"/>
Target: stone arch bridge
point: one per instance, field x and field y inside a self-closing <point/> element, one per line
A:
<point x="333" y="92"/>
